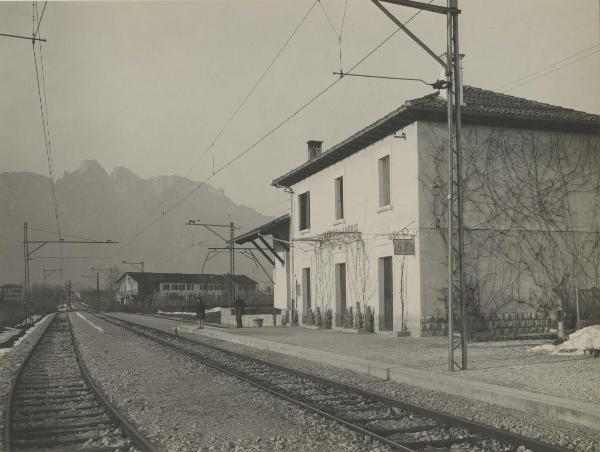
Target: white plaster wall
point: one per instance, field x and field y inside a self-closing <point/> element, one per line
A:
<point x="583" y="216"/>
<point x="280" y="289"/>
<point x="361" y="208"/>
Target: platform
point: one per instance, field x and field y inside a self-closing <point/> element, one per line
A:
<point x="507" y="374"/>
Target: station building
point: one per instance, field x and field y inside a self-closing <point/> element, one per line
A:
<point x="367" y="218"/>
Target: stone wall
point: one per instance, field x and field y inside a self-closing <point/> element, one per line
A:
<point x="498" y="327"/>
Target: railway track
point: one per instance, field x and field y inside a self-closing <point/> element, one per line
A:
<point x="400" y="425"/>
<point x="54" y="404"/>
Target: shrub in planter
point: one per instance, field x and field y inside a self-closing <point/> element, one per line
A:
<point x="369" y="320"/>
<point x="310" y="317"/>
<point x="318" y="318"/>
<point x="294" y="317"/>
<point x="358" y="317"/>
<point x="350" y="317"/>
<point x="328" y="319"/>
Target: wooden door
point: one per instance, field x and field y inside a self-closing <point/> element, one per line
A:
<point x="340" y="294"/>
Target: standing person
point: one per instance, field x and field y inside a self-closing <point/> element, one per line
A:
<point x="200" y="312"/>
<point x="239" y="311"/>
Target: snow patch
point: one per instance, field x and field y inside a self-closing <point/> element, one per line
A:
<point x="578" y="342"/>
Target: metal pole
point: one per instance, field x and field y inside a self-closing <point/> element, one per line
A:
<point x="26" y="270"/>
<point x="450" y="191"/>
<point x="459" y="181"/>
<point x="232" y="265"/>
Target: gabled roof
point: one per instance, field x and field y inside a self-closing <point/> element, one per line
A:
<point x="188" y="278"/>
<point x="482" y="107"/>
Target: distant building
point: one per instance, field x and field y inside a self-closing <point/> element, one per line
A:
<point x="147" y="287"/>
<point x="11" y="292"/>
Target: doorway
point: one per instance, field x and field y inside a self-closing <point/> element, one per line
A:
<point x="340" y="294"/>
<point x="306" y="301"/>
<point x="386" y="294"/>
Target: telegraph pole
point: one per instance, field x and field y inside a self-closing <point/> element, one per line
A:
<point x="231" y="247"/>
<point x="453" y="83"/>
<point x="27" y="253"/>
<point x="107" y="270"/>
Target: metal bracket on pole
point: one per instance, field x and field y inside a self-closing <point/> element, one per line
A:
<point x="456" y="281"/>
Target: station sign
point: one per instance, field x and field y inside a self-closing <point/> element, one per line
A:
<point x="404" y="247"/>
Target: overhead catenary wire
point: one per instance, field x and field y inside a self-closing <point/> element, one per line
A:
<point x="45" y="123"/>
<point x="243" y="101"/>
<point x="550" y="68"/>
<point x="62" y="233"/>
<point x="264" y="136"/>
<point x="37" y="29"/>
<point x="43" y="99"/>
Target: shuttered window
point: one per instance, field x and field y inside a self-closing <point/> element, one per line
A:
<point x="339" y="198"/>
<point x="384" y="181"/>
<point x="304" y="211"/>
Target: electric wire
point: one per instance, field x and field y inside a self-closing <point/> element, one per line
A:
<point x="44" y="111"/>
<point x="342" y="32"/>
<point x="541" y="72"/>
<point x="47" y="142"/>
<point x="40" y="19"/>
<point x="243" y="101"/>
<point x="263" y="137"/>
<point x="63" y="234"/>
<point x="337" y="36"/>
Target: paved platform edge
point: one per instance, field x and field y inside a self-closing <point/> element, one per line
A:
<point x="582" y="413"/>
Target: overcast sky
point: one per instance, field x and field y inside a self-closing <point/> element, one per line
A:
<point x="147" y="85"/>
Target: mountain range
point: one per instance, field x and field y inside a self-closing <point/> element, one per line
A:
<point x="125" y="208"/>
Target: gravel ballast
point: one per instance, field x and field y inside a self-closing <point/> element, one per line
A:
<point x="546" y="429"/>
<point x="180" y="404"/>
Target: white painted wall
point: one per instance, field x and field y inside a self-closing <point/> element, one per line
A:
<point x="280" y="279"/>
<point x="500" y="276"/>
<point x="361" y="210"/>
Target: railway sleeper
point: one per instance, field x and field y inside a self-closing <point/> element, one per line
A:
<point x="25" y="397"/>
<point x="44" y="388"/>
<point x="54" y="430"/>
<point x="56" y="408"/>
<point x="70" y="422"/>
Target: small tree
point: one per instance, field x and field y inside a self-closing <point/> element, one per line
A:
<point x="358" y="317"/>
<point x="369" y="320"/>
<point x="328" y="319"/>
<point x="318" y="318"/>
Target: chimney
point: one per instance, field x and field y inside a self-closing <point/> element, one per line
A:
<point x="314" y="149"/>
<point x="443" y="92"/>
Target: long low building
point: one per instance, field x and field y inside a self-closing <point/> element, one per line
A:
<point x="155" y="287"/>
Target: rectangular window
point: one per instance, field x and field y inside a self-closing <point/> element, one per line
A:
<point x="339" y="198"/>
<point x="304" y="210"/>
<point x="190" y="287"/>
<point x="166" y="287"/>
<point x="384" y="181"/>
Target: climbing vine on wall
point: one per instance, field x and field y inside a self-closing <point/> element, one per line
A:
<point x="531" y="210"/>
